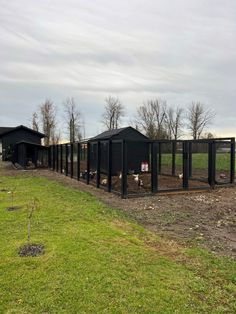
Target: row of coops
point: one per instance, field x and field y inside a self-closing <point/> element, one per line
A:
<point x="126" y="162"/>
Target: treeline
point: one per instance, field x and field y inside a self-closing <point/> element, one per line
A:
<point x="155" y="118"/>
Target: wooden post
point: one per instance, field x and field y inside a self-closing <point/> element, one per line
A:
<point x="185" y="165"/>
<point x="66" y="160"/>
<point x="190" y="159"/>
<point x="109" y="173"/>
<point x="71" y="159"/>
<point x="211" y="164"/>
<point x="53" y="157"/>
<point x="154" y="175"/>
<point x="98" y="164"/>
<point x="232" y="161"/>
<point x="61" y="152"/>
<point x="57" y="157"/>
<point x="173" y="157"/>
<point x="124" y="170"/>
<point x="88" y="163"/>
<point x="78" y="162"/>
<point x="159" y="158"/>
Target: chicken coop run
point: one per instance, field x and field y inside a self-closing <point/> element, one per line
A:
<point x="125" y="162"/>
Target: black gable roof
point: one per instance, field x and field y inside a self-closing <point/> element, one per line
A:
<point x="111" y="134"/>
<point x="6" y="130"/>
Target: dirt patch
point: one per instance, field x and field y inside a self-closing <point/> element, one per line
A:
<point x="12" y="208"/>
<point x="31" y="249"/>
<point x="204" y="218"/>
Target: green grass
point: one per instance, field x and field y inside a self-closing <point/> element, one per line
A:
<point x="98" y="261"/>
<point x="199" y="161"/>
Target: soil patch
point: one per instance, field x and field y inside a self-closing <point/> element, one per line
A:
<point x="12" y="208"/>
<point x="31" y="249"/>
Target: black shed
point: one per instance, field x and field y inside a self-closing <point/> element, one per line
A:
<point x="137" y="150"/>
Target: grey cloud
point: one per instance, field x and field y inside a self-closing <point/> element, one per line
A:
<point x="179" y="50"/>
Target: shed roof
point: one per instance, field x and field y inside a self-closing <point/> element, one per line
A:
<point x="6" y="130"/>
<point x="113" y="133"/>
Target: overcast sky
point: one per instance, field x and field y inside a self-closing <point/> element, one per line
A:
<point x="177" y="50"/>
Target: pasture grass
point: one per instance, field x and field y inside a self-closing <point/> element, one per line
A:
<point x="199" y="161"/>
<point x="98" y="261"/>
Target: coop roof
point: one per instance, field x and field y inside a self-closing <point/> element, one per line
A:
<point x="126" y="132"/>
<point x="6" y="130"/>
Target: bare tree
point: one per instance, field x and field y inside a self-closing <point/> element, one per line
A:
<point x="174" y="123"/>
<point x="198" y="119"/>
<point x="73" y="119"/>
<point x="35" y="122"/>
<point x="114" y="111"/>
<point x="151" y="118"/>
<point x="48" y="121"/>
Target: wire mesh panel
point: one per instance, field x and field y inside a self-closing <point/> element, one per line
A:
<point x="104" y="163"/>
<point x="75" y="160"/>
<point x="64" y="159"/>
<point x="42" y="160"/>
<point x="51" y="157"/>
<point x="116" y="166"/>
<point x="165" y="158"/>
<point x="83" y="161"/>
<point x="138" y="167"/>
<point x="198" y="164"/>
<point x="93" y="157"/>
<point x="170" y="165"/>
<point x="69" y="159"/>
<point x="222" y="162"/>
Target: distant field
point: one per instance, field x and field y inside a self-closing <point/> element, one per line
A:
<point x="200" y="161"/>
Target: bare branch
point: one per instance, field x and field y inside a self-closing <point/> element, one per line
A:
<point x="114" y="111"/>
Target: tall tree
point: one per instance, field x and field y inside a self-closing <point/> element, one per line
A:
<point x="198" y="119"/>
<point x="35" y="122"/>
<point x="114" y="111"/>
<point x="73" y="120"/>
<point x="174" y="123"/>
<point x="48" y="121"/>
<point x="151" y="118"/>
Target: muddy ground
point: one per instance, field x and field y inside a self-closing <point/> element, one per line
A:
<point x="206" y="218"/>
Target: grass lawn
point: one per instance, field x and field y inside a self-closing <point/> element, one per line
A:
<point x="98" y="261"/>
<point x="199" y="161"/>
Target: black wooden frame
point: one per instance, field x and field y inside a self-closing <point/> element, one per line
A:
<point x="156" y="152"/>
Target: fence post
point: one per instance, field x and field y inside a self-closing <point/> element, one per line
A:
<point x="78" y="161"/>
<point x="71" y="159"/>
<point x="185" y="164"/>
<point x="124" y="170"/>
<point x="232" y="161"/>
<point x="66" y="160"/>
<point x="88" y="163"/>
<point x="154" y="175"/>
<point x="57" y="157"/>
<point x="53" y="157"/>
<point x="159" y="158"/>
<point x="98" y="164"/>
<point x="109" y="174"/>
<point x="211" y="164"/>
<point x="49" y="157"/>
<point x="61" y="152"/>
<point x="173" y="157"/>
<point x="190" y="159"/>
